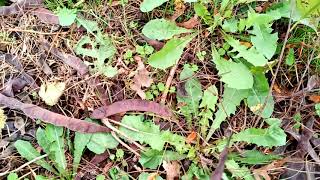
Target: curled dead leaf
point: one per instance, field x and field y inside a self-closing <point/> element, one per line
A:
<point x="315" y="98"/>
<point x="46" y="16"/>
<point x="36" y="112"/>
<point x="131" y="105"/>
<point x="71" y="60"/>
<point x="191" y="23"/>
<point x="141" y="78"/>
<point x="19" y="6"/>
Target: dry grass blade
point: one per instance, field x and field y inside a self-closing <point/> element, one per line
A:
<point x="36" y="112"/>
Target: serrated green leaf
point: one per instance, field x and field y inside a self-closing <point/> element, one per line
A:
<point x="192" y="93"/>
<point x="290" y="59"/>
<point x="230" y="100"/>
<point x="269" y="137"/>
<point x="235" y="75"/>
<point x="260" y="18"/>
<point x="170" y="53"/>
<point x="196" y="172"/>
<point x="259" y="101"/>
<point x="254" y="157"/>
<point x="100" y="142"/>
<point x="162" y="29"/>
<point x="149" y="133"/>
<point x="90" y="26"/>
<point x="66" y="16"/>
<point x="237" y="171"/>
<point x="251" y="55"/>
<point x="27" y="151"/>
<point x="149" y="5"/>
<point x="230" y="25"/>
<point x="264" y="41"/>
<point x="80" y="142"/>
<point x="152" y="158"/>
<point x="202" y="11"/>
<point x="54" y="135"/>
<point x="210" y="98"/>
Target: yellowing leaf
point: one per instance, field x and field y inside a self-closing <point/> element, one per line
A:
<point x="51" y="92"/>
<point x="3" y="118"/>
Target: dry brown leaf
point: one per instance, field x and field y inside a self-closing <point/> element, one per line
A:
<point x="179" y="9"/>
<point x="71" y="60"/>
<point x="141" y="78"/>
<point x="191" y="23"/>
<point x="20" y="124"/>
<point x="246" y="44"/>
<point x="172" y="169"/>
<point x="191" y="137"/>
<point x="264" y="171"/>
<point x="19" y="6"/>
<point x="46" y="16"/>
<point x="315" y="98"/>
<point x="36" y="112"/>
<point x="131" y="105"/>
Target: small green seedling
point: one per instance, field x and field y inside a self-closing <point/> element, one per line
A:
<point x="201" y="55"/>
<point x="144" y="50"/>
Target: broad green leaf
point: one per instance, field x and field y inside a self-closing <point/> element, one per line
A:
<point x="235" y="75"/>
<point x="66" y="16"/>
<point x="237" y="171"/>
<point x="55" y="136"/>
<point x="42" y="140"/>
<point x="190" y="93"/>
<point x="259" y="101"/>
<point x="51" y="92"/>
<point x="152" y="158"/>
<point x="290" y="59"/>
<point x="149" y="5"/>
<point x="251" y="55"/>
<point x="13" y="176"/>
<point x="149" y="133"/>
<point x="260" y="18"/>
<point x="230" y="100"/>
<point x="210" y="98"/>
<point x="80" y="142"/>
<point x="146" y="176"/>
<point x="170" y="53"/>
<point x="40" y="177"/>
<point x="290" y="10"/>
<point x="268" y="137"/>
<point x="264" y="41"/>
<point x="254" y="157"/>
<point x="27" y="151"/>
<point x="100" y="177"/>
<point x="309" y="8"/>
<point x="100" y="142"/>
<point x="162" y="29"/>
<point x="202" y="11"/>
